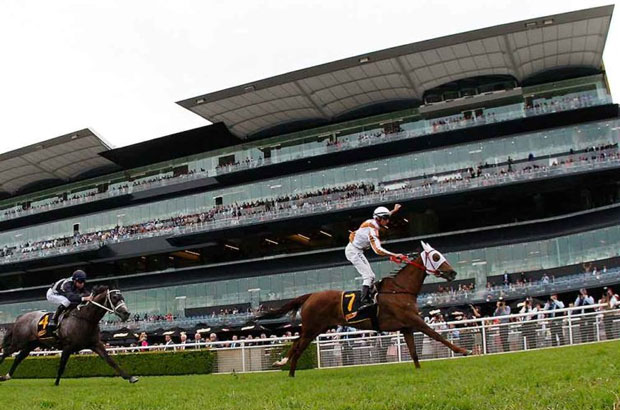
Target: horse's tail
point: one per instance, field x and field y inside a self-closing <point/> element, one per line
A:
<point x="294" y="305"/>
<point x="7" y="340"/>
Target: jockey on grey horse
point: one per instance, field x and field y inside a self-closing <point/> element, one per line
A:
<point x="68" y="292"/>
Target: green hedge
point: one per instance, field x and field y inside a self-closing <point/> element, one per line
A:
<point x="138" y="364"/>
<point x="308" y="359"/>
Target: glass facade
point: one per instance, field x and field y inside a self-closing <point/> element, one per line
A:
<point x="561" y="96"/>
<point x="474" y="264"/>
<point x="379" y="172"/>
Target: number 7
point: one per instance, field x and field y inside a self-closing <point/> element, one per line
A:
<point x="350" y="305"/>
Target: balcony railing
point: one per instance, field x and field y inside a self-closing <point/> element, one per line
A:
<point x="324" y="204"/>
<point x="363" y="139"/>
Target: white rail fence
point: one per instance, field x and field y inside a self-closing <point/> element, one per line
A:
<point x="520" y="332"/>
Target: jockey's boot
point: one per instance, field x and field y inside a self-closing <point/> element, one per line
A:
<point x="53" y="324"/>
<point x="366" y="299"/>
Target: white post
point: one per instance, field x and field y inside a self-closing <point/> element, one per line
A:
<point x="451" y="339"/>
<point x="398" y="347"/>
<point x="570" y="328"/>
<point x="524" y="343"/>
<point x="484" y="338"/>
<point x="598" y="329"/>
<point x="243" y="355"/>
<point x="318" y="352"/>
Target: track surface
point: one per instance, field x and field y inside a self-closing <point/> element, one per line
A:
<point x="580" y="377"/>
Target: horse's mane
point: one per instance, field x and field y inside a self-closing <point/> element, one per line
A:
<point x="399" y="268"/>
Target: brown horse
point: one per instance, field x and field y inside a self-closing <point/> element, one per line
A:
<point x="396" y="299"/>
<point x="79" y="330"/>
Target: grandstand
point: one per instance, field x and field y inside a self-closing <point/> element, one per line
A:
<point x="501" y="144"/>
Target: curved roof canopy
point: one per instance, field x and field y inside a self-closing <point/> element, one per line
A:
<point x="326" y="92"/>
<point x="60" y="159"/>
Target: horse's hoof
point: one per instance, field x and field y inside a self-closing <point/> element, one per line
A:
<point x="5" y="378"/>
<point x="468" y="353"/>
<point x="133" y="379"/>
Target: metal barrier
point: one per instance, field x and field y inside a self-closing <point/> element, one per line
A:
<point x="483" y="336"/>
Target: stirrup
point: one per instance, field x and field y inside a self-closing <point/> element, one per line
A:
<point x="365" y="304"/>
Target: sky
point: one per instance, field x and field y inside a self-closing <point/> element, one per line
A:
<point x="119" y="66"/>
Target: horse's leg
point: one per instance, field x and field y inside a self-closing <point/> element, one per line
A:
<point x="100" y="350"/>
<point x="18" y="359"/>
<point x="408" y="334"/>
<point x="64" y="357"/>
<point x="427" y="330"/>
<point x="288" y="355"/>
<point x="304" y="341"/>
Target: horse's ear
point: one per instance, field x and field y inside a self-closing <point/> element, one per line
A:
<point x="426" y="246"/>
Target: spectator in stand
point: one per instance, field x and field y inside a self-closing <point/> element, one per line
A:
<point x="611" y="301"/>
<point x="197" y="340"/>
<point x="557" y="334"/>
<point x="142" y="341"/>
<point x="529" y="327"/>
<point x="169" y="345"/>
<point x="183" y="341"/>
<point x="586" y="327"/>
<point x="213" y="339"/>
<point x="503" y="309"/>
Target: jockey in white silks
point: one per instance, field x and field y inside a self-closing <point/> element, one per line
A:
<point x="366" y="237"/>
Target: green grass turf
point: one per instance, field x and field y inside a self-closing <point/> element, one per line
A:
<point x="580" y="377"/>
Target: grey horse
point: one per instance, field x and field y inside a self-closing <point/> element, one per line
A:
<point x="79" y="330"/>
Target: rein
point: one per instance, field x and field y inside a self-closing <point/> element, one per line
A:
<point x="108" y="301"/>
<point x="409" y="261"/>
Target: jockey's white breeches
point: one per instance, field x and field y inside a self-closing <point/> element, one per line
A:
<point x="57" y="299"/>
<point x="357" y="258"/>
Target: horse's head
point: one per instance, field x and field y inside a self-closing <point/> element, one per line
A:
<point x="111" y="300"/>
<point x="435" y="263"/>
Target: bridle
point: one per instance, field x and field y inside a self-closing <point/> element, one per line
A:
<point x="426" y="262"/>
<point x="109" y="302"/>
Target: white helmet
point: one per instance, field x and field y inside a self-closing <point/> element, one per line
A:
<point x="381" y="212"/>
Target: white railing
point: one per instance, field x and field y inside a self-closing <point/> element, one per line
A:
<point x="482" y="336"/>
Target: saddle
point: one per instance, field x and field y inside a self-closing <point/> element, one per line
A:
<point x="44" y="333"/>
<point x="350" y="304"/>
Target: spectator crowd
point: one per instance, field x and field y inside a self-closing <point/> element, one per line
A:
<point x="310" y="200"/>
<point x="478" y="117"/>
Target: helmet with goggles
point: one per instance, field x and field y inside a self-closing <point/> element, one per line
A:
<point x="381" y="213"/>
